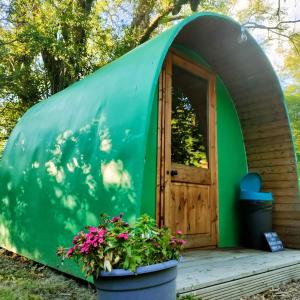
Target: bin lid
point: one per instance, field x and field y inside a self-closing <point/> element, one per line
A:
<point x="251" y="182"/>
<point x="255" y="196"/>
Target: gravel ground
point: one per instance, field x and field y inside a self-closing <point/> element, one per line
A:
<point x="289" y="291"/>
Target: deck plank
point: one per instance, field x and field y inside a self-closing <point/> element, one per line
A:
<point x="230" y="274"/>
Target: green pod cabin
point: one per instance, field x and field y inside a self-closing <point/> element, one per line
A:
<point x="169" y="129"/>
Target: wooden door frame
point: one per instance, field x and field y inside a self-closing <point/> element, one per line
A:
<point x="163" y="166"/>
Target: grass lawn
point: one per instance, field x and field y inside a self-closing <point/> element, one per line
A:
<point x="23" y="279"/>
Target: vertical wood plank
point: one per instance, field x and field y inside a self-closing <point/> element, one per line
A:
<point x="213" y="159"/>
<point x="169" y="204"/>
<point x="159" y="151"/>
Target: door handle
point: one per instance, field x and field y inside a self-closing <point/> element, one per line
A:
<point x="174" y="172"/>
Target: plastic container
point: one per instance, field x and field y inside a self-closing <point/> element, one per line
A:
<point x="156" y="281"/>
<point x="256" y="212"/>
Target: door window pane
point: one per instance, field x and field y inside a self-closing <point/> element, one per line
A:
<point x="189" y="125"/>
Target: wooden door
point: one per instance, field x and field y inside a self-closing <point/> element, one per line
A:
<point x="187" y="160"/>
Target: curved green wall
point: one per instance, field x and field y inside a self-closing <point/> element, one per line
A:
<point x="232" y="166"/>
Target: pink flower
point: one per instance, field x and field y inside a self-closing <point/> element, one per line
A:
<point x="89" y="236"/>
<point x="115" y="219"/>
<point x="76" y="247"/>
<point x="75" y="239"/>
<point x="102" y="232"/>
<point x="179" y="232"/>
<point x="70" y="252"/>
<point x="100" y="240"/>
<point x="123" y="236"/>
<point x="92" y="241"/>
<point x="95" y="237"/>
<point x="181" y="242"/>
<point x="96" y="233"/>
<point x="85" y="247"/>
<point x="93" y="229"/>
<point x="173" y="241"/>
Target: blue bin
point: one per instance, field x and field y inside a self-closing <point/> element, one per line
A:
<point x="256" y="212"/>
<point x="250" y="189"/>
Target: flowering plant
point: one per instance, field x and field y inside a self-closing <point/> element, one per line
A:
<point x="114" y="244"/>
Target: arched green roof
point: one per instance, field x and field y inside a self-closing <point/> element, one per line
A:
<point x="83" y="150"/>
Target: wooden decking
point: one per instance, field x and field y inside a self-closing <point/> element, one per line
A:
<point x="231" y="274"/>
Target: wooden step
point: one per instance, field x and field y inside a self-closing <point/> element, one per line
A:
<point x="234" y="273"/>
<point x="248" y="286"/>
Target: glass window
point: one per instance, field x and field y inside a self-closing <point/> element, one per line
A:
<point x="189" y="125"/>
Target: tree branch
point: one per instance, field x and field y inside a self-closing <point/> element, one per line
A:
<point x="290" y="38"/>
<point x="175" y="18"/>
<point x="9" y="42"/>
<point x="278" y="9"/>
<point x="253" y="25"/>
<point x="154" y="25"/>
<point x="276" y="29"/>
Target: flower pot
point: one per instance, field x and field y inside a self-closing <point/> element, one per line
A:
<point x="156" y="281"/>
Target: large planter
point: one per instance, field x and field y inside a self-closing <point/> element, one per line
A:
<point x="156" y="281"/>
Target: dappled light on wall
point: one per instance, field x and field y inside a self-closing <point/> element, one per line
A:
<point x="105" y="140"/>
<point x="115" y="176"/>
<point x="63" y="186"/>
<point x="4" y="232"/>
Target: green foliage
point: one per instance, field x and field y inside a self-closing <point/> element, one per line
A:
<point x="292" y="92"/>
<point x="293" y="102"/>
<point x="47" y="45"/>
<point x="116" y="244"/>
<point x="10" y="112"/>
<point x="258" y="11"/>
<point x="187" y="141"/>
<point x="291" y="70"/>
<point x="179" y="3"/>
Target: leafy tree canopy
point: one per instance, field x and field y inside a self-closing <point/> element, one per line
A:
<point x="293" y="102"/>
<point x="45" y="45"/>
